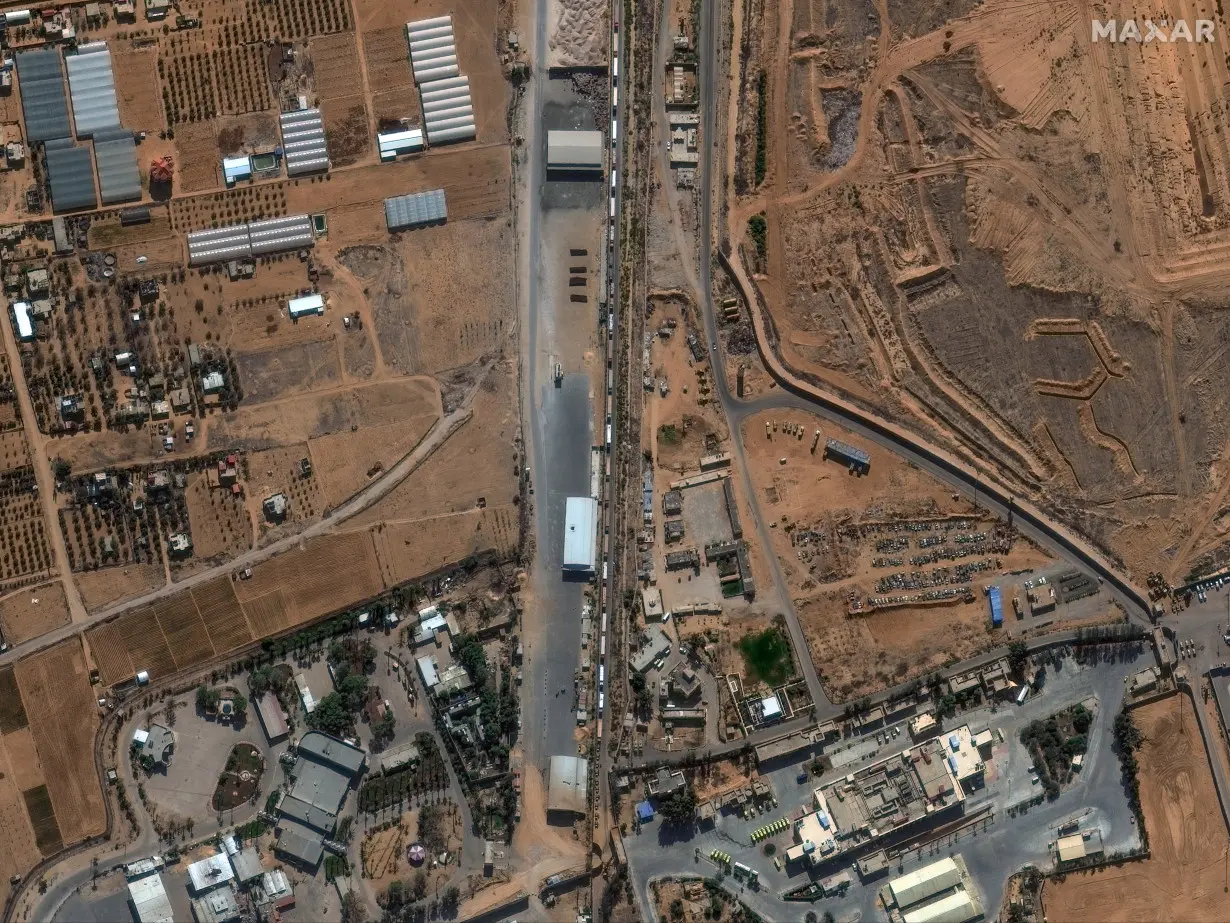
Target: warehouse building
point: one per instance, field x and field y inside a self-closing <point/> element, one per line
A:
<point x="23" y="322"/>
<point x="392" y="144"/>
<point x="70" y="174"/>
<point x="91" y="86"/>
<point x="44" y="105"/>
<point x="115" y="155"/>
<point x="575" y="151"/>
<point x="568" y="790"/>
<point x="303" y="142"/>
<point x="580" y="535"/>
<point x="957" y="907"/>
<point x="323" y="773"/>
<point x="857" y="460"/>
<point x="416" y="210"/>
<point x="926" y="882"/>
<point x="235" y="169"/>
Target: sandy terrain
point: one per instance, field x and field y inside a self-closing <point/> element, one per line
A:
<point x="941" y="180"/>
<point x="1184" y="878"/>
<point x="578" y="31"/>
<point x="29" y="613"/>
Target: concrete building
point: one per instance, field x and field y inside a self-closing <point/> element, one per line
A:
<point x="323" y="773"/>
<point x="247" y="865"/>
<point x="858" y="461"/>
<point x="217" y="906"/>
<point x="210" y="872"/>
<point x="575" y="151"/>
<point x="568" y="789"/>
<point x="580" y="535"/>
<point x="149" y="900"/>
<point x="157" y="743"/>
<point x="659" y="645"/>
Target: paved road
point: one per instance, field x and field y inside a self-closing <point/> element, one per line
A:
<point x="376" y="490"/>
<point x="559" y="440"/>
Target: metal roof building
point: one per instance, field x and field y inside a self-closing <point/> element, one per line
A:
<point x="70" y="174"/>
<point x="255" y="238"/>
<point x="925" y="882"/>
<point x="308" y="304"/>
<point x="115" y="154"/>
<point x="149" y="900"/>
<point x="433" y="48"/>
<point x="23" y="324"/>
<point x="303" y="142"/>
<point x="955" y="908"/>
<point x="580" y="534"/>
<point x="568" y="790"/>
<point x="448" y="110"/>
<point x="44" y="105"/>
<point x="394" y="143"/>
<point x="91" y="86"/>
<point x="997" y="606"/>
<point x="272" y="235"/>
<point x="415" y="210"/>
<point x="574" y="150"/>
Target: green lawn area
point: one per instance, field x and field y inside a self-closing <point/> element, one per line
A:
<point x="767" y="656"/>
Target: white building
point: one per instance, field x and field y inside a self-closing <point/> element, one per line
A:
<point x="305" y="306"/>
<point x="954" y="908"/>
<point x="575" y="151"/>
<point x="23" y="323"/>
<point x="925" y="882"/>
<point x="149" y="900"/>
<point x="210" y="872"/>
<point x="580" y="534"/>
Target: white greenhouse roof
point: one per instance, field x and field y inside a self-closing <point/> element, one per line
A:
<point x="255" y="238"/>
<point x="91" y="87"/>
<point x="303" y="142"/>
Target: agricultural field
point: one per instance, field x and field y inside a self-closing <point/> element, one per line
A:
<point x="886" y="570"/>
<point x="1184" y="876"/>
<point x="63" y="716"/>
<point x="985" y="233"/>
<point x="32" y="612"/>
<point x="25" y="556"/>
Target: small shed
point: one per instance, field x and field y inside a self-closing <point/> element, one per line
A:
<point x="644" y="812"/>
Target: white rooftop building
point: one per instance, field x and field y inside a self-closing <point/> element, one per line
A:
<point x="580" y="534"/>
<point x="210" y="872"/>
<point x="149" y="900"/>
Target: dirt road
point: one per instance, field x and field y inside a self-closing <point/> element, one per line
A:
<point x="376" y="490"/>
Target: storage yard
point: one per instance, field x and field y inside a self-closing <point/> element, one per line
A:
<point x="887" y="571"/>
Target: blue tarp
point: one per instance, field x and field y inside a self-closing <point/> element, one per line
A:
<point x="997" y="606"/>
<point x="644" y="811"/>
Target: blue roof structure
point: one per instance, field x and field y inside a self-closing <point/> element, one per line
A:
<point x="71" y="176"/>
<point x="997" y="606"/>
<point x="644" y="811"/>
<point x="44" y="104"/>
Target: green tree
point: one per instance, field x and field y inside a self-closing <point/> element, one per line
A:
<point x="331" y="715"/>
<point x="679" y="808"/>
<point x="419" y="886"/>
<point x="239" y="702"/>
<point x="207" y="699"/>
<point x="450" y="900"/>
<point x="1018" y="653"/>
